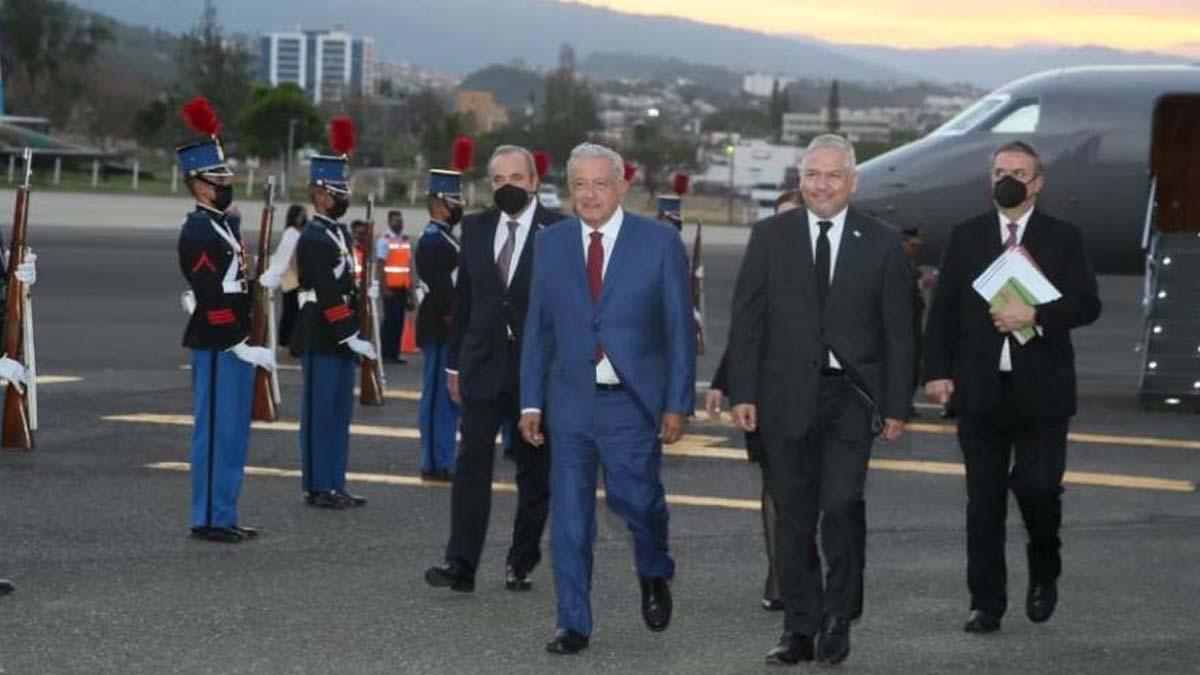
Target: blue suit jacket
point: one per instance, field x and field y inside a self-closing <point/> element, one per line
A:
<point x="643" y="320"/>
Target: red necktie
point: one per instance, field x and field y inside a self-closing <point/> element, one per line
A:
<point x="595" y="270"/>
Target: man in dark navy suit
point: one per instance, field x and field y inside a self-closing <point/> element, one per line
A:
<point x="495" y="266"/>
<point x="1013" y="401"/>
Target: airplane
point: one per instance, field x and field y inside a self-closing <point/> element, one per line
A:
<point x="1094" y="127"/>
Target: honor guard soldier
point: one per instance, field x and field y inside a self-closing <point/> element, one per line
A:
<point x="437" y="267"/>
<point x="212" y="258"/>
<point x="327" y="338"/>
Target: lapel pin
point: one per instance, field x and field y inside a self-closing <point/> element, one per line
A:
<point x="857" y="233"/>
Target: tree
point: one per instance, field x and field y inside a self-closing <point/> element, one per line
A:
<point x="42" y="40"/>
<point x="657" y="154"/>
<point x="833" y="110"/>
<point x="569" y="110"/>
<point x="746" y="121"/>
<point x="150" y="123"/>
<point x="214" y="66"/>
<point x="263" y="123"/>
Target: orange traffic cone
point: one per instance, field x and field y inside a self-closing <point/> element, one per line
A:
<point x="408" y="341"/>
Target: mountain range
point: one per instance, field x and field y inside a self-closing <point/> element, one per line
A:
<point x="461" y="36"/>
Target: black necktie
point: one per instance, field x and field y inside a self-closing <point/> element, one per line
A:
<point x="504" y="261"/>
<point x="822" y="264"/>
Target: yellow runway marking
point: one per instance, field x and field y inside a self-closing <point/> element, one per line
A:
<point x="704" y="447"/>
<point x="499" y="486"/>
<point x="57" y="379"/>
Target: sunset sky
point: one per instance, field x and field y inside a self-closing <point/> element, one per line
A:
<point x="1158" y="25"/>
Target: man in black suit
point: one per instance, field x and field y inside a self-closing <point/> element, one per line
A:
<point x="820" y="360"/>
<point x="495" y="266"/>
<point x="1011" y="399"/>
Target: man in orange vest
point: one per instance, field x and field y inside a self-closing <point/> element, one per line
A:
<point x="394" y="252"/>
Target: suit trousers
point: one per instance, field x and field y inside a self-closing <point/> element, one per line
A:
<point x="222" y="386"/>
<point x="325" y="411"/>
<point x="471" y="493"/>
<point x="1004" y="449"/>
<point x="622" y="441"/>
<point x="822" y="477"/>
<point x="392" y="329"/>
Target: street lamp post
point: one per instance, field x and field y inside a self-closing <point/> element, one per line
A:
<point x="729" y="151"/>
<point x="287" y="159"/>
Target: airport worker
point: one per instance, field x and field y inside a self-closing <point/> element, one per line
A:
<point x="393" y="251"/>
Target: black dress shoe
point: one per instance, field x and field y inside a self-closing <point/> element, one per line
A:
<point x="352" y="500"/>
<point x="223" y="535"/>
<point x="792" y="649"/>
<point x="656" y="603"/>
<point x="833" y="645"/>
<point x="6" y="587"/>
<point x="516" y="581"/>
<point x="772" y="604"/>
<point x="1040" y="601"/>
<point x="327" y="500"/>
<point x="450" y="575"/>
<point x="247" y="532"/>
<point x="982" y="622"/>
<point x="567" y="641"/>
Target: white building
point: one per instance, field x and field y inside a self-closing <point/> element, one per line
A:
<point x="328" y="64"/>
<point x="761" y="84"/>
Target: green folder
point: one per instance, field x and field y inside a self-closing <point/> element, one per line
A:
<point x="1016" y="289"/>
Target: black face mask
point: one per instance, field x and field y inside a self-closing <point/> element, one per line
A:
<point x="1009" y="192"/>
<point x="341" y="204"/>
<point x="510" y="198"/>
<point x="222" y="195"/>
<point x="455" y="215"/>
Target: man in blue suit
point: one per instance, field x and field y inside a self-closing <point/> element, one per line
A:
<point x="608" y="363"/>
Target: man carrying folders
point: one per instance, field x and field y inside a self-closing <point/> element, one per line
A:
<point x="494" y="272"/>
<point x="212" y="259"/>
<point x="327" y="338"/>
<point x="1014" y="397"/>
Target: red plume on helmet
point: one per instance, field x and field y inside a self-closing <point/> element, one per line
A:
<point x="341" y="135"/>
<point x="680" y="183"/>
<point x="630" y="171"/>
<point x="462" y="154"/>
<point x="541" y="161"/>
<point x="201" y="117"/>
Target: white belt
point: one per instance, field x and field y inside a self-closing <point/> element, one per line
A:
<point x="306" y="296"/>
<point x="238" y="286"/>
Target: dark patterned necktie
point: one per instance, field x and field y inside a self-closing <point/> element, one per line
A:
<point x="504" y="261"/>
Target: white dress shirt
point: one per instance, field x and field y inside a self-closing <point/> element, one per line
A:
<point x="285" y="251"/>
<point x="835" y="241"/>
<point x="1022" y="222"/>
<point x="605" y="373"/>
<point x="524" y="224"/>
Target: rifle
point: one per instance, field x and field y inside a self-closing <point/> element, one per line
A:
<point x="370" y="372"/>
<point x="698" y="290"/>
<point x="266" y="386"/>
<point x="17" y="432"/>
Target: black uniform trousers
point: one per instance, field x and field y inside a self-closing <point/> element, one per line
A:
<point x="471" y="496"/>
<point x="291" y="314"/>
<point x="822" y="476"/>
<point x="1005" y="449"/>
<point x="392" y="328"/>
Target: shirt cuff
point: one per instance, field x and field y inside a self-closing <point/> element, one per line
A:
<point x="531" y="410"/>
<point x="451" y="371"/>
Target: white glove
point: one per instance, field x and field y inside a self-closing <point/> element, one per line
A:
<point x="26" y="272"/>
<point x="270" y="279"/>
<point x="361" y="347"/>
<point x="257" y="356"/>
<point x="373" y="290"/>
<point x="188" y="300"/>
<point x="13" y="372"/>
